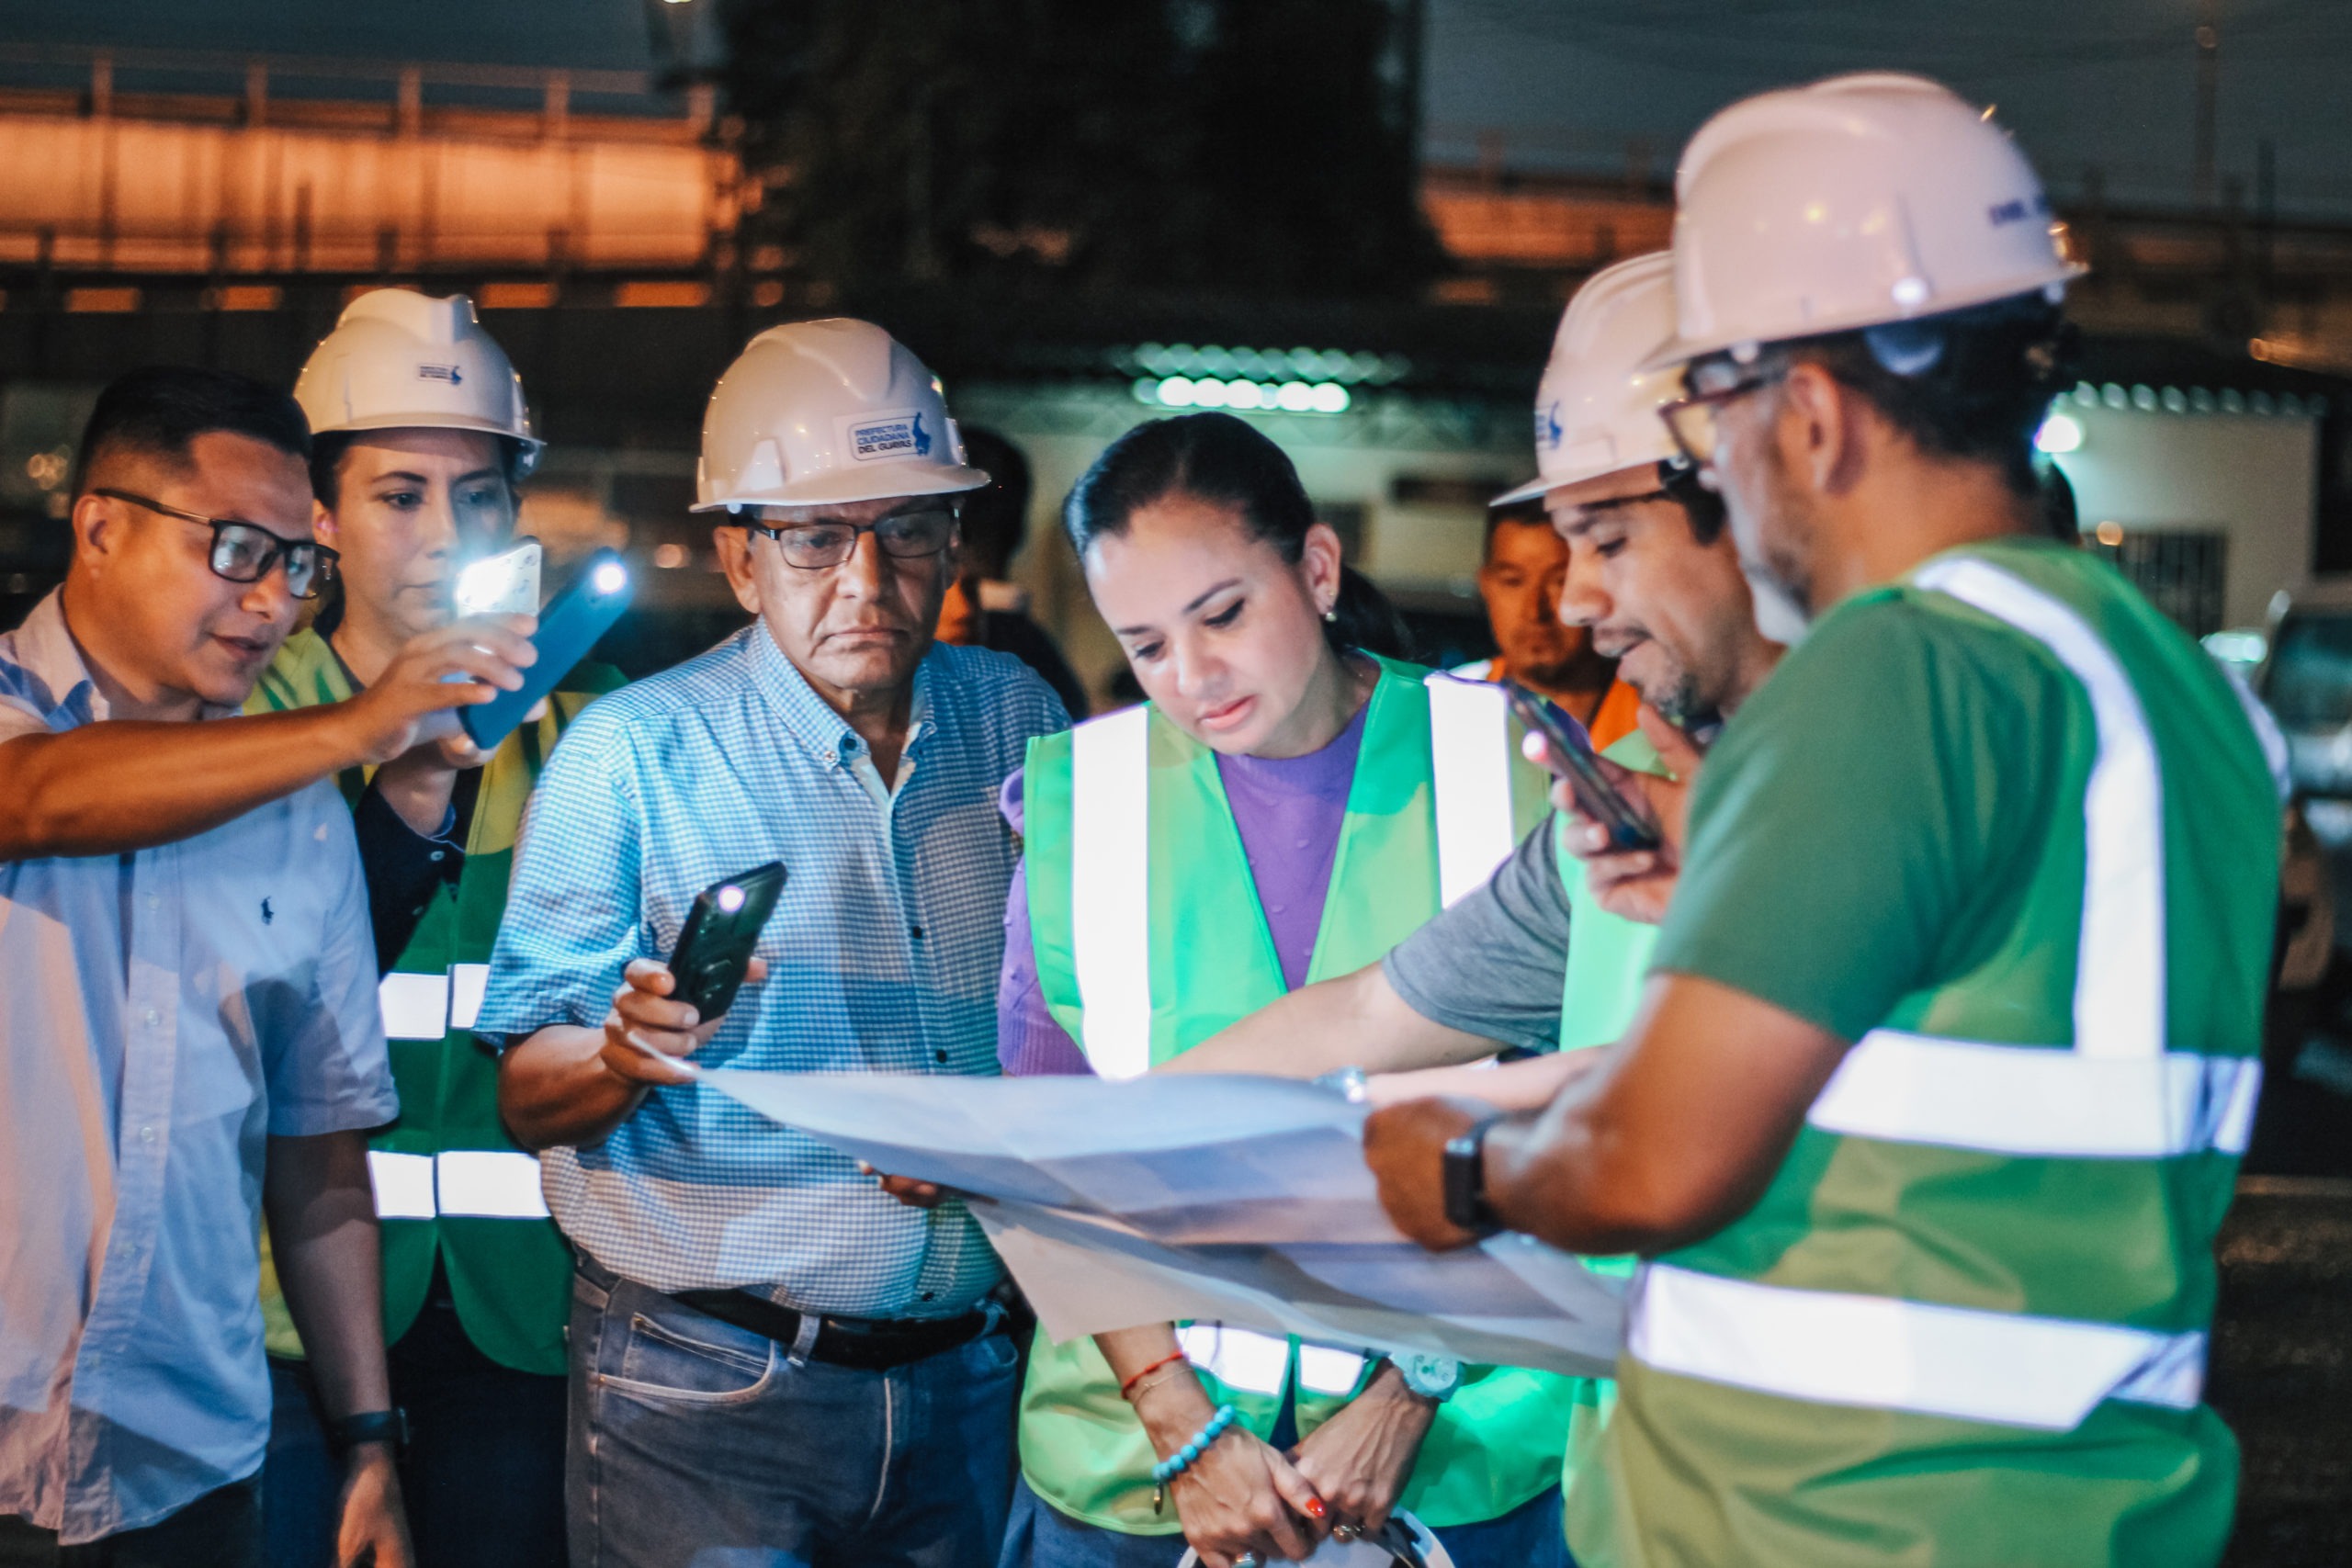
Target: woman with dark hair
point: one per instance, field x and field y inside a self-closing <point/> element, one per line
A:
<point x="1276" y="812"/>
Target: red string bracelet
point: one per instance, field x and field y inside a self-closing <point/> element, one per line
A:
<point x="1128" y="1387"/>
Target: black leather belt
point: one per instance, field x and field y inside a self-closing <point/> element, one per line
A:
<point x="870" y="1344"/>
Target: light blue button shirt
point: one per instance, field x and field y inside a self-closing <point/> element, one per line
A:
<point x="163" y="1013"/>
<point x="882" y="957"/>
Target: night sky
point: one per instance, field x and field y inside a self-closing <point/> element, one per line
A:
<point x="2104" y="82"/>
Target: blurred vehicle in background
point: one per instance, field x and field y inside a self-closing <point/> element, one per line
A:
<point x="2301" y="666"/>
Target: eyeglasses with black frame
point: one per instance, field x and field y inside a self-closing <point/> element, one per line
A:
<point x="1692" y="420"/>
<point x="244" y="552"/>
<point x="908" y="534"/>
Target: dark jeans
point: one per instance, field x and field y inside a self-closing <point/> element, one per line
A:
<point x="697" y="1444"/>
<point x="1041" y="1536"/>
<point x="220" y="1529"/>
<point x="482" y="1476"/>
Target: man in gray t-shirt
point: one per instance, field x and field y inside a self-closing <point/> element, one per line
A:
<point x="1490" y="967"/>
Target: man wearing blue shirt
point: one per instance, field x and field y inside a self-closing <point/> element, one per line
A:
<point x="190" y="984"/>
<point x="770" y="1356"/>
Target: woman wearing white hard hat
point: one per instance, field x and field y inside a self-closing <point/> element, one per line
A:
<point x="1950" y="1044"/>
<point x="419" y="437"/>
<point x="1298" y="807"/>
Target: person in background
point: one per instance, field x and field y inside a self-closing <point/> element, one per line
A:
<point x="983" y="608"/>
<point x="1297" y="817"/>
<point x="1531" y="961"/>
<point x="1937" y="1093"/>
<point x="419" y="436"/>
<point x="188" y="1029"/>
<point x="772" y="1361"/>
<point x="1519" y="579"/>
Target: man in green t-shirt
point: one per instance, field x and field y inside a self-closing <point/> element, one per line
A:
<point x="1949" y="1050"/>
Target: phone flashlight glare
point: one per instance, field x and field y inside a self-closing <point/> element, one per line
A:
<point x="731" y="897"/>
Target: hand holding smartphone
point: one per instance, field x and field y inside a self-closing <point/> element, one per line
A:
<point x="1569" y="754"/>
<point x="577" y="617"/>
<point x="722" y="929"/>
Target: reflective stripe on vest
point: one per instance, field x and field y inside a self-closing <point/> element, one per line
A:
<point x="1890" y="1354"/>
<point x="415" y="1007"/>
<point x="2115" y="1093"/>
<point x="1110" y="857"/>
<point x="2039" y="1102"/>
<point x="1470" y="772"/>
<point x="467" y="983"/>
<point x="1111" y="851"/>
<point x="426" y="1007"/>
<point x="1240" y="1357"/>
<point x="497" y="1184"/>
<point x="1257" y="1363"/>
<point x="2119" y="980"/>
<point x="402" y="1183"/>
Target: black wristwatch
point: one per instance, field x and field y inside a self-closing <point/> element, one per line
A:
<point x="370" y="1427"/>
<point x="1466" y="1181"/>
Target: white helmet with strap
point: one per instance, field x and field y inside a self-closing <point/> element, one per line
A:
<point x="1596" y="411"/>
<point x="399" y="359"/>
<point x="1854" y="202"/>
<point x="828" y="411"/>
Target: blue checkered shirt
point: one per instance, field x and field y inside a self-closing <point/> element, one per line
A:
<point x="882" y="957"/>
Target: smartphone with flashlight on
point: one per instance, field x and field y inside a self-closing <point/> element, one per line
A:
<point x="1628" y="818"/>
<point x="568" y="627"/>
<point x="504" y="584"/>
<point x="722" y="929"/>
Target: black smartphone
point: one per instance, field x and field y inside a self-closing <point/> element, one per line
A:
<point x="721" y="929"/>
<point x="1628" y="820"/>
<point x="568" y="629"/>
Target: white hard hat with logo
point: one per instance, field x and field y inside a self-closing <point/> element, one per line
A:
<point x="1596" y="411"/>
<point x="1854" y="202"/>
<point x="398" y="359"/>
<point x="828" y="411"/>
<point x="1405" y="1542"/>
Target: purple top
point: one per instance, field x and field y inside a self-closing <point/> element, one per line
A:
<point x="1289" y="810"/>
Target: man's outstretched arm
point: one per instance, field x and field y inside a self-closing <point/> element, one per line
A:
<point x="1354" y="1021"/>
<point x="1671" y="1138"/>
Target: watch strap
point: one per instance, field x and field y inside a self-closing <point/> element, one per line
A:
<point x="370" y="1427"/>
<point x="1464" y="1172"/>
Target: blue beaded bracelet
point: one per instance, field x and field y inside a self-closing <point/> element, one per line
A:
<point x="1184" y="1459"/>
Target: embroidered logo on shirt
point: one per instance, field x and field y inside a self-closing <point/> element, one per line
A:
<point x="267" y="915"/>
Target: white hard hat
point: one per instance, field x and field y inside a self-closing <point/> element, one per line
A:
<point x="1378" y="1551"/>
<point x="828" y="411"/>
<point x="398" y="359"/>
<point x="1596" y="411"/>
<point x="1851" y="203"/>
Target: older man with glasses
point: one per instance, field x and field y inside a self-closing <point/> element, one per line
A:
<point x="772" y="1361"/>
<point x="188" y="1029"/>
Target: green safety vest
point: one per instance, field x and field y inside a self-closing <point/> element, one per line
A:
<point x="449" y="1181"/>
<point x="1149" y="939"/>
<point x="1966" y="1323"/>
<point x="1608" y="959"/>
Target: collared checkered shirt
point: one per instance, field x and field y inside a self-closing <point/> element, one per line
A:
<point x="882" y="957"/>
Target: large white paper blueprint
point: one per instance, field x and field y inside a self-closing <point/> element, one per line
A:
<point x="1244" y="1199"/>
